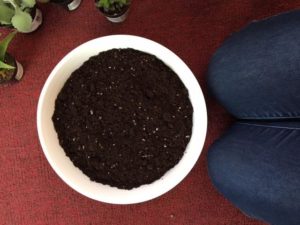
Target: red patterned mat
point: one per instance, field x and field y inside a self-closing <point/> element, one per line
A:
<point x="32" y="194"/>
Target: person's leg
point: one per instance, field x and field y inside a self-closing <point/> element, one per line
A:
<point x="255" y="74"/>
<point x="257" y="167"/>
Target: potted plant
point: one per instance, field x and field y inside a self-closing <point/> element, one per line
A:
<point x="9" y="67"/>
<point x="20" y="14"/>
<point x="114" y="10"/>
<point x="67" y="4"/>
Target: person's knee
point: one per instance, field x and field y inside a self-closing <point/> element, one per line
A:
<point x="257" y="168"/>
<point x="255" y="73"/>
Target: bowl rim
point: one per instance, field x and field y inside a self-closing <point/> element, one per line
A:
<point x="144" y="194"/>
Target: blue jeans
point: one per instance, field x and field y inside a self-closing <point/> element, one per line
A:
<point x="255" y="75"/>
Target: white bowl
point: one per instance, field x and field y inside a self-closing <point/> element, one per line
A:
<point x="63" y="166"/>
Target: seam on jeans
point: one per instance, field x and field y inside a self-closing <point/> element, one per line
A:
<point x="277" y="127"/>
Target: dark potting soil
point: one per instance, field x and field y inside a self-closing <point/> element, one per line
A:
<point x="8" y="75"/>
<point x="124" y="118"/>
<point x="62" y="2"/>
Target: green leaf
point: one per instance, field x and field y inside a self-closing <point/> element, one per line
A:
<point x="104" y="4"/>
<point x="6" y="13"/>
<point x="5" y="66"/>
<point x="109" y="4"/>
<point x="4" y="44"/>
<point x="22" y="21"/>
<point x="2" y="2"/>
<point x="12" y="3"/>
<point x="28" y="3"/>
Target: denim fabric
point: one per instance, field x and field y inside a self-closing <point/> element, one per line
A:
<point x="257" y="168"/>
<point x="255" y="74"/>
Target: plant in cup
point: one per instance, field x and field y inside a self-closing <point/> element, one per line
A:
<point x="9" y="67"/>
<point x="20" y="14"/>
<point x="114" y="10"/>
<point x="67" y="4"/>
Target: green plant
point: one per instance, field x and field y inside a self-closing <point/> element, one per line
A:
<point x="3" y="48"/>
<point x="111" y="5"/>
<point x="16" y="13"/>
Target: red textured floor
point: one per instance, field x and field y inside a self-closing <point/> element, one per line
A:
<point x="31" y="193"/>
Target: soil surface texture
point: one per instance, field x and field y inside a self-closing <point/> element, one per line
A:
<point x="124" y="118"/>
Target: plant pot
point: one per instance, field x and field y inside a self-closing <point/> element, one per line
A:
<point x="116" y="16"/>
<point x="118" y="19"/>
<point x="13" y="74"/>
<point x="68" y="4"/>
<point x="37" y="19"/>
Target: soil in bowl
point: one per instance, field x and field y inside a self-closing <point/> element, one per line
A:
<point x="124" y="118"/>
